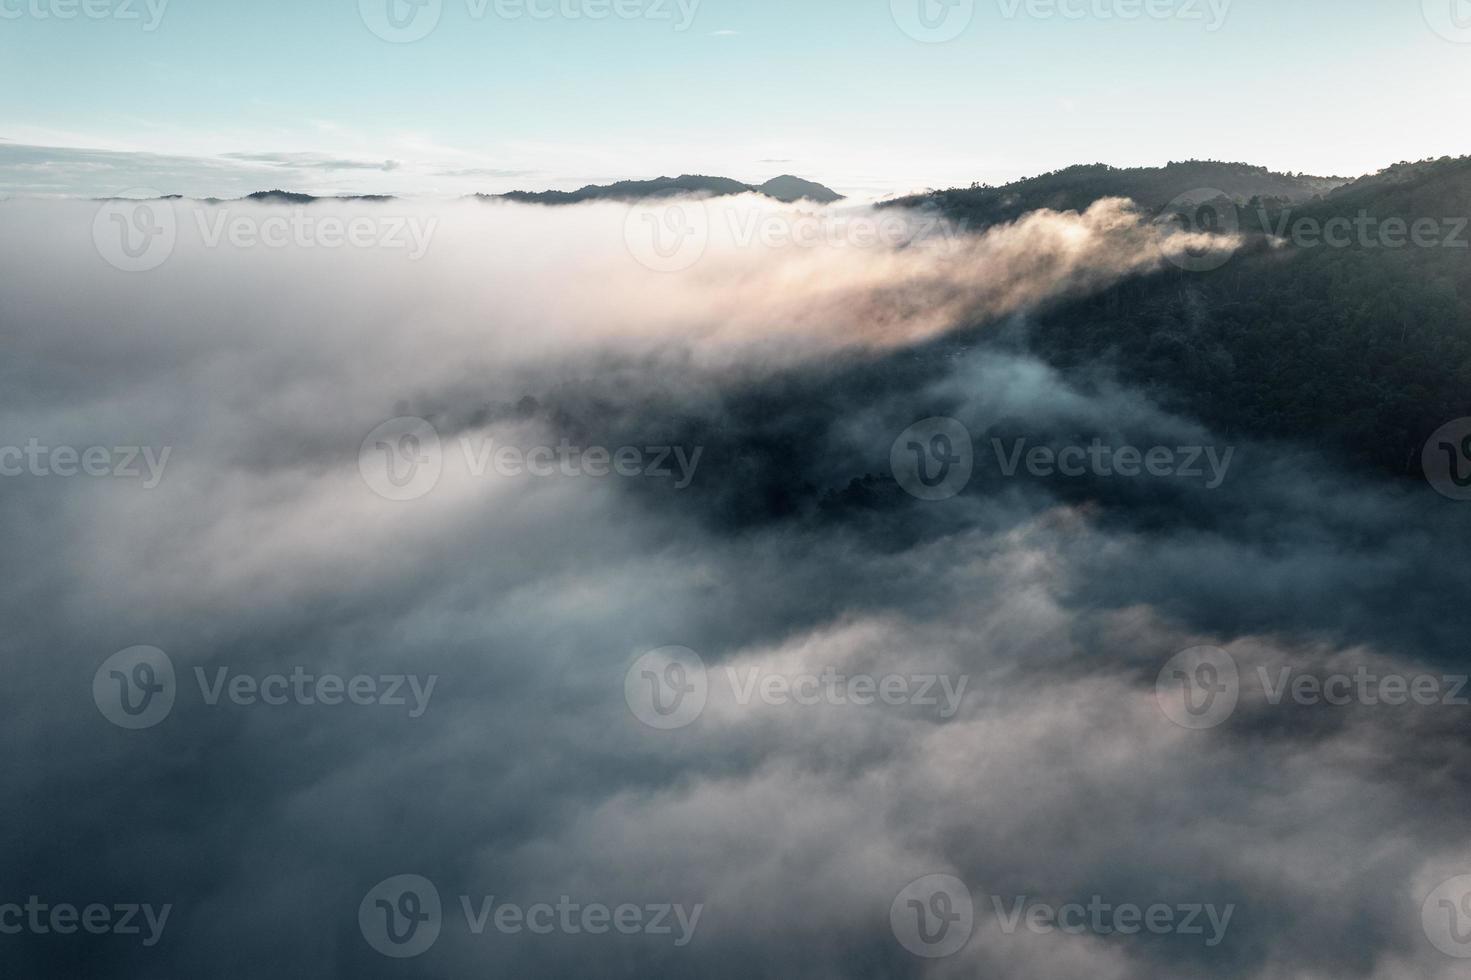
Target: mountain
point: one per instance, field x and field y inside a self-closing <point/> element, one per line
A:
<point x="785" y="188"/>
<point x="792" y="189"/>
<point x="1421" y="185"/>
<point x="268" y="197"/>
<point x="1075" y="188"/>
<point x="287" y="197"/>
<point x="1362" y="345"/>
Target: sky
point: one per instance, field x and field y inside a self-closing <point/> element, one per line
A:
<point x="860" y="94"/>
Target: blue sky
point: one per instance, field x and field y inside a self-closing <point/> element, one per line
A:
<point x="222" y="96"/>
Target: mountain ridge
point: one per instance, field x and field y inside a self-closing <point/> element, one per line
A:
<point x="786" y="188"/>
<point x="1152" y="188"/>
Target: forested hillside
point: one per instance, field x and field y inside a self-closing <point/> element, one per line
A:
<point x="1344" y="321"/>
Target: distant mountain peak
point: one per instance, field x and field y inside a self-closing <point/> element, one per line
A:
<point x="785" y="188"/>
<point x="789" y="189"/>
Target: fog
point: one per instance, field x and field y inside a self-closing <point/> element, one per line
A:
<point x="782" y="351"/>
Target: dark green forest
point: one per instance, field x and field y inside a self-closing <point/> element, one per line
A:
<point x="1361" y="349"/>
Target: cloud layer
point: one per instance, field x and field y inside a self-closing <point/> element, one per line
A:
<point x="794" y="552"/>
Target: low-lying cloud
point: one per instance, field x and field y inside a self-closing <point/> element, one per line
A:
<point x="794" y="818"/>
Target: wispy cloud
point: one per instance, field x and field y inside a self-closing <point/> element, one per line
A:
<point x="314" y="161"/>
<point x="485" y="172"/>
